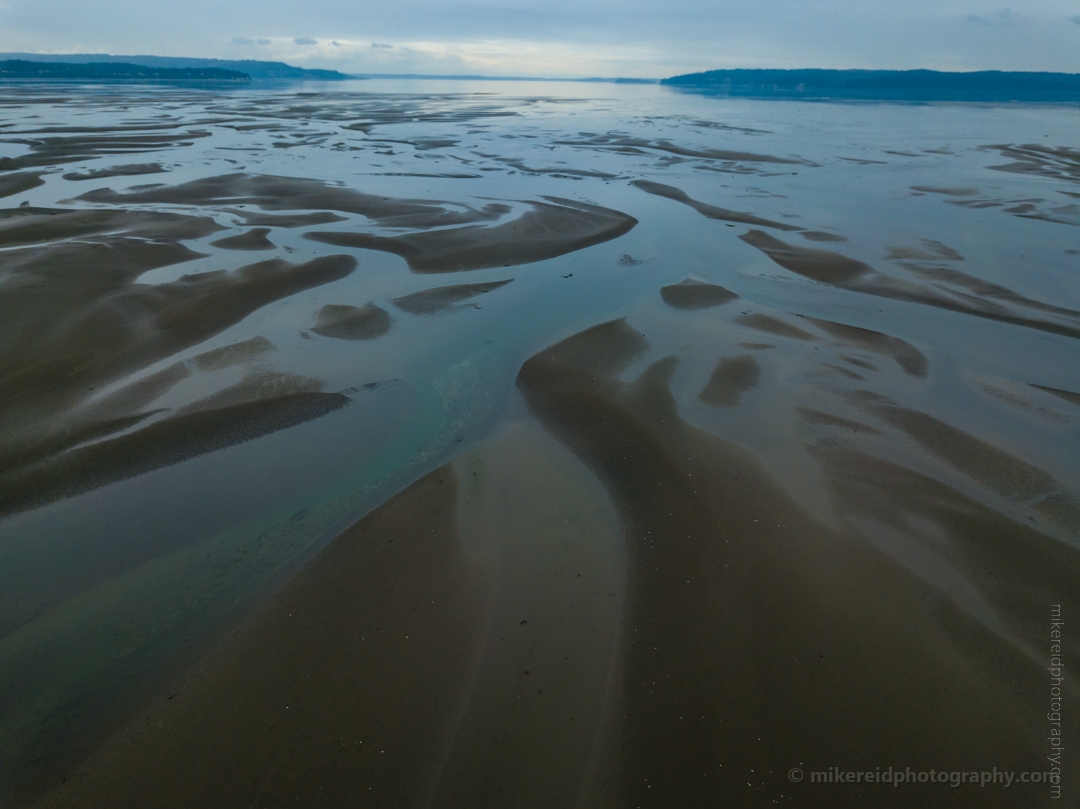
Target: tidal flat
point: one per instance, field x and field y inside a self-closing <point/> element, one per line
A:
<point x="511" y="444"/>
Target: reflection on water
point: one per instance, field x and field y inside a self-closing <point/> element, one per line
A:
<point x="791" y="386"/>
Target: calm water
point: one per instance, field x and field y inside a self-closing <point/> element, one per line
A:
<point x="904" y="283"/>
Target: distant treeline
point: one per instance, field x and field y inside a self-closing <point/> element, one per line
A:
<point x="254" y="68"/>
<point x="895" y="85"/>
<point x="103" y="71"/>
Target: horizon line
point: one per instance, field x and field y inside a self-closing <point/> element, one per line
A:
<point x="482" y="77"/>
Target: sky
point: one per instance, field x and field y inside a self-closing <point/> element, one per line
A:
<point x="563" y="38"/>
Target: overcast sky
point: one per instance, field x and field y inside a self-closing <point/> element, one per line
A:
<point x="642" y="38"/>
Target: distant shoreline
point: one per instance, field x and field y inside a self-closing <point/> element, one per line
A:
<point x="809" y="84"/>
<point x="254" y="69"/>
<point x="884" y="85"/>
<point x="20" y="69"/>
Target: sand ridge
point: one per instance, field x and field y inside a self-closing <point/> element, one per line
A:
<point x="723" y="574"/>
<point x="548" y="230"/>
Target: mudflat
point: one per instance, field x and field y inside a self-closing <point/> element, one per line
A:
<point x="740" y="447"/>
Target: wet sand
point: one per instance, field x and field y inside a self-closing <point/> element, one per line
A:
<point x="417" y="661"/>
<point x="58" y="347"/>
<point x="906" y="355"/>
<point x="298" y="194"/>
<point x="1068" y="396"/>
<point x="351" y="322"/>
<point x="234" y="354"/>
<point x="254" y="239"/>
<point x="53" y="150"/>
<point x="1061" y="162"/>
<point x="827" y="267"/>
<point x="285" y="220"/>
<point x="18" y="182"/>
<point x="164" y="443"/>
<point x="631" y="145"/>
<point x="443" y="299"/>
<point x="685" y="506"/>
<point x="127" y="170"/>
<point x="707" y="210"/>
<point x="343" y="692"/>
<point x="694" y="294"/>
<point x="754" y="636"/>
<point x="730" y="377"/>
<point x="751" y="635"/>
<point x="547" y="231"/>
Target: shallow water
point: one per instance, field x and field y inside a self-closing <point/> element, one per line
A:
<point x="236" y="323"/>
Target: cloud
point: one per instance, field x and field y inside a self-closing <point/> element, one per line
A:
<point x="1075" y="19"/>
<point x="380" y="45"/>
<point x="335" y="43"/>
<point x="306" y="41"/>
<point x="262" y="42"/>
<point x="242" y="41"/>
